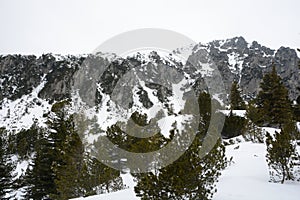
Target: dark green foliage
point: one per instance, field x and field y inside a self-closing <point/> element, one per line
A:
<point x="60" y="129"/>
<point x="236" y="101"/>
<point x="68" y="152"/>
<point x="253" y="133"/>
<point x="139" y="119"/>
<point x="191" y="176"/>
<point x="60" y="169"/>
<point x="78" y="174"/>
<point x="5" y="167"/>
<point x="296" y="110"/>
<point x="233" y="126"/>
<point x="204" y="102"/>
<point x="135" y="144"/>
<point x="40" y="176"/>
<point x="292" y="129"/>
<point x="98" y="178"/>
<point x="23" y="143"/>
<point x="272" y="103"/>
<point x="281" y="155"/>
<point x="59" y="107"/>
<point x="68" y="169"/>
<point x="253" y="114"/>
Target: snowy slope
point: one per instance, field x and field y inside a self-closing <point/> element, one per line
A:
<point x="247" y="178"/>
<point x="127" y="194"/>
<point x="22" y="113"/>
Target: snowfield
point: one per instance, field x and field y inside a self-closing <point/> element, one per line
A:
<point x="126" y="194"/>
<point x="246" y="178"/>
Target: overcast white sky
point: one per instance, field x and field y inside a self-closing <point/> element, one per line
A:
<point x="79" y="26"/>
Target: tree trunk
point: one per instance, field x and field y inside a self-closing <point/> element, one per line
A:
<point x="283" y="174"/>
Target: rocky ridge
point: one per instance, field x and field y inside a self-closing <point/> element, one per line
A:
<point x="54" y="76"/>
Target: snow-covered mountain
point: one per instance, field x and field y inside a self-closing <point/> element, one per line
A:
<point x="238" y="60"/>
<point x="155" y="84"/>
<point x="30" y="84"/>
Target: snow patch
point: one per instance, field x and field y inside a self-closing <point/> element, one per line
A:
<point x="128" y="180"/>
<point x="170" y="122"/>
<point x="25" y="111"/>
<point x="176" y="100"/>
<point x="235" y="62"/>
<point x="240" y="113"/>
<point x="218" y="98"/>
<point x="270" y="130"/>
<point x="205" y="69"/>
<point x="184" y="52"/>
<point x="127" y="194"/>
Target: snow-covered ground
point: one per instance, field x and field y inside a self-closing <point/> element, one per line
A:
<point x="240" y="113"/>
<point x="126" y="194"/>
<point x="23" y="112"/>
<point x="247" y="178"/>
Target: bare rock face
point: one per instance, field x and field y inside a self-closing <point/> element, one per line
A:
<point x="247" y="63"/>
<point x="234" y="59"/>
<point x="19" y="75"/>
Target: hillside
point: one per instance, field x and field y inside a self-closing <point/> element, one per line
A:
<point x="76" y="125"/>
<point x="247" y="178"/>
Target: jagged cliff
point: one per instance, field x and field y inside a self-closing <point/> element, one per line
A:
<point x="30" y="82"/>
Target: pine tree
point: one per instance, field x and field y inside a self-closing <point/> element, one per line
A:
<point x="205" y="105"/>
<point x="68" y="151"/>
<point x="233" y="126"/>
<point x="76" y="173"/>
<point x="97" y="178"/>
<point x="281" y="154"/>
<point x="191" y="176"/>
<point x="253" y="114"/>
<point x="22" y="143"/>
<point x="60" y="169"/>
<point x="253" y="133"/>
<point x="272" y="101"/>
<point x="5" y="167"/>
<point x="67" y="171"/>
<point x="296" y="109"/>
<point x="40" y="176"/>
<point x="236" y="101"/>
